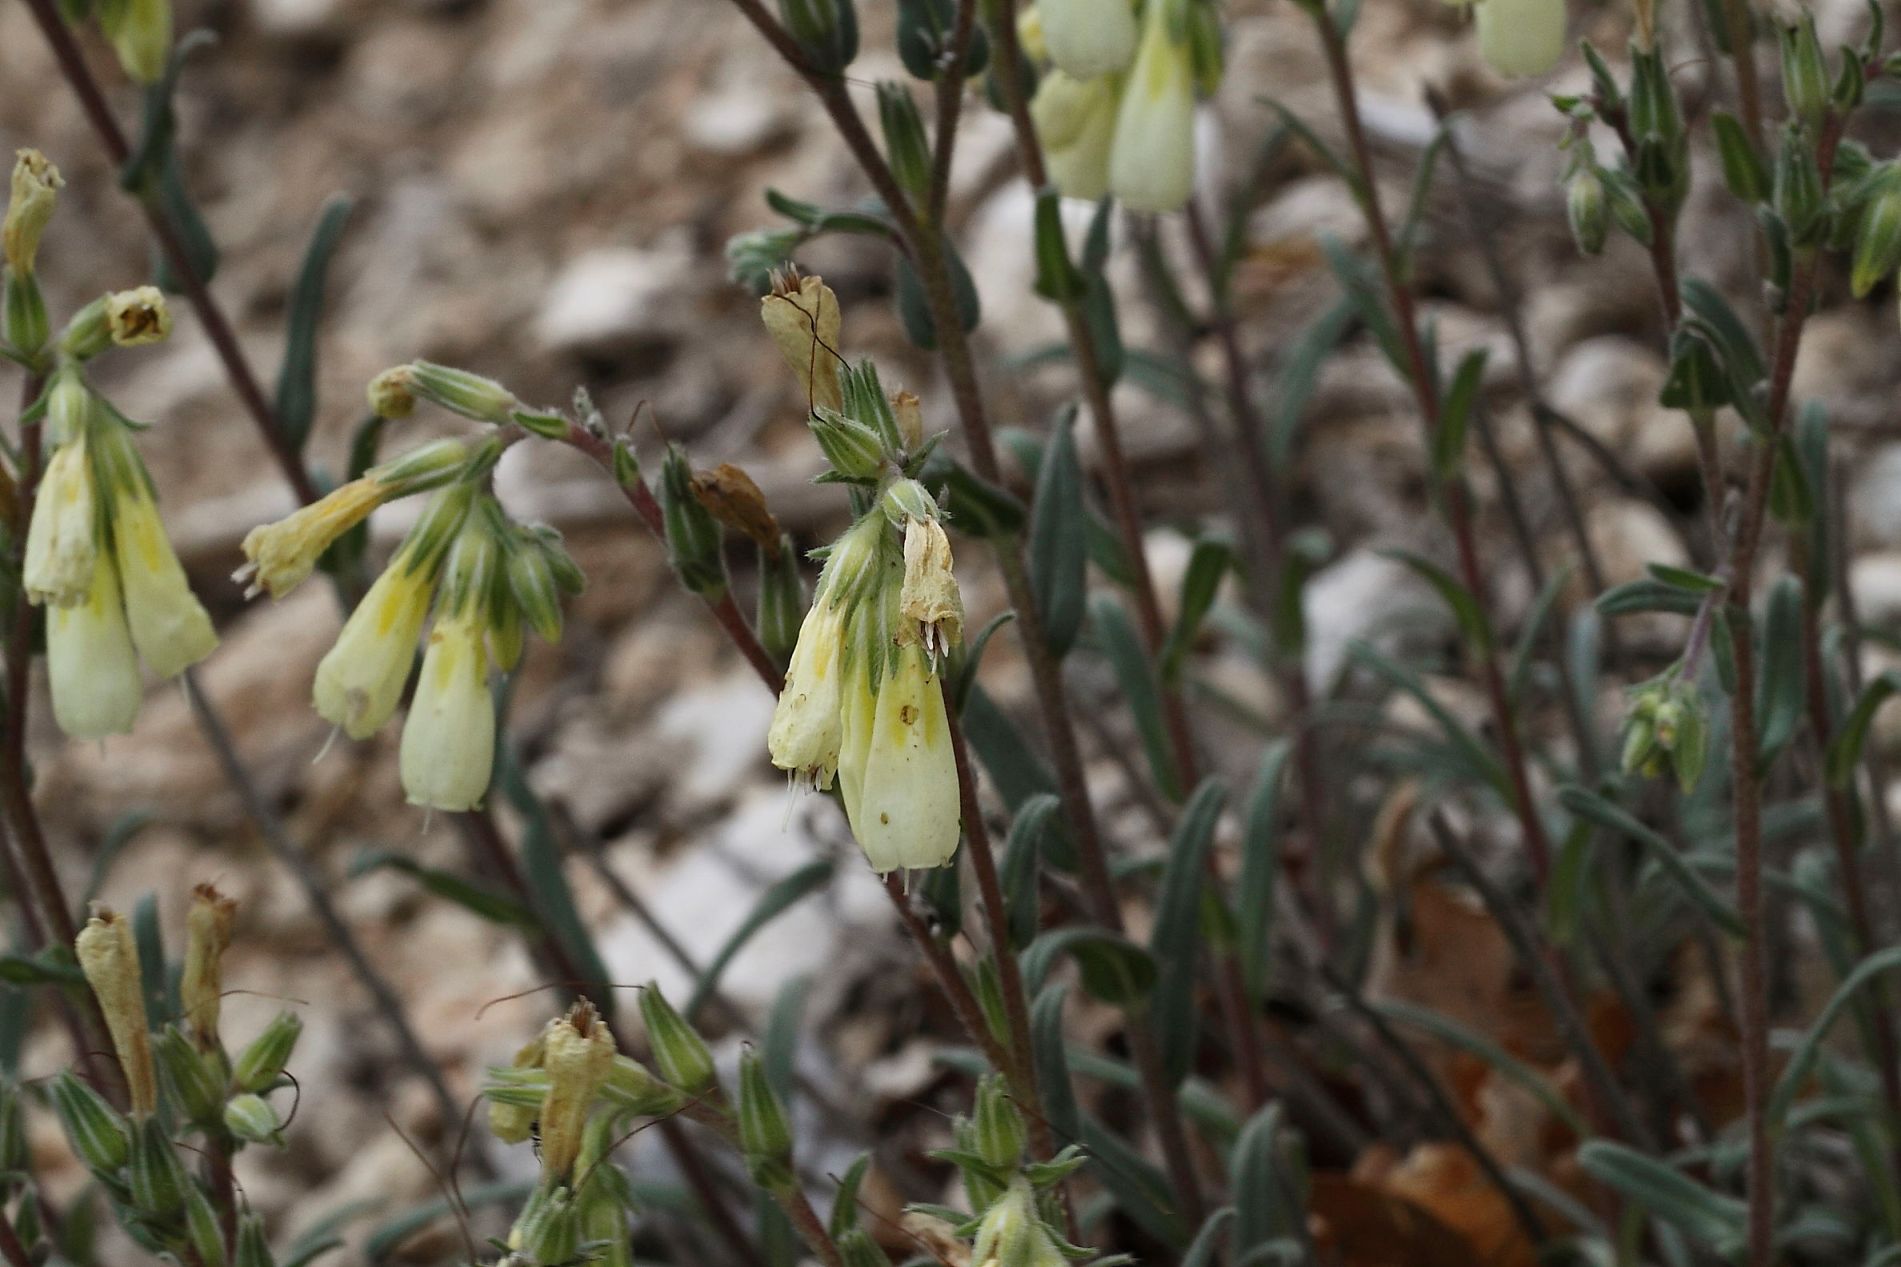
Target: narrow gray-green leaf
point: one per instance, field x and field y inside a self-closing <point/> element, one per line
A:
<point x="1175" y="941"/>
<point x="1844" y="750"/>
<point x="1508" y="1066"/>
<point x="1114" y="969"/>
<point x="1136" y="674"/>
<point x="1020" y="856"/>
<point x="1714" y="1219"/>
<point x="778" y="897"/>
<point x="1780" y="689"/>
<point x="297" y="379"/>
<point x="1058" y="547"/>
<point x="1260" y="867"/>
<point x="1052" y="1063"/>
<point x="1586" y="804"/>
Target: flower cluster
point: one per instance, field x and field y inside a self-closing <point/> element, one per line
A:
<point x="863" y="699"/>
<point x="178" y="1079"/>
<point x="1115" y="108"/>
<point x="478" y="578"/>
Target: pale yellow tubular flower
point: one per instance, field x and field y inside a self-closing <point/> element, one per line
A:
<point x="578" y="1055"/>
<point x="282" y="554"/>
<point x="169" y="625"/>
<point x="1087" y="38"/>
<point x="138" y="316"/>
<point x="801" y="314"/>
<point x="62" y="540"/>
<point x="360" y="680"/>
<point x="1521" y="37"/>
<point x="1152" y="163"/>
<point x="1076" y="120"/>
<point x="109" y="957"/>
<point x="929" y="601"/>
<point x="141" y="34"/>
<point x="907" y="812"/>
<point x="91" y="666"/>
<point x="806" y="727"/>
<point x="201" y="985"/>
<point x="448" y="750"/>
<point x="857" y="717"/>
<point x="34" y="189"/>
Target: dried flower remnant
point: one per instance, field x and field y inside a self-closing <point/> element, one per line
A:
<point x="110" y="959"/>
<point x="802" y="316"/>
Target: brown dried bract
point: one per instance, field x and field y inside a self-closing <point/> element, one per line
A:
<point x="732" y="497"/>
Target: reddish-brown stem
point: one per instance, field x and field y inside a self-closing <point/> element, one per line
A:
<point x="950" y="978"/>
<point x="79" y="77"/>
<point x="1420" y="376"/>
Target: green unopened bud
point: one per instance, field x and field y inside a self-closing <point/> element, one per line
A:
<point x="537" y="593"/>
<point x="1587" y="209"/>
<point x="763" y="1135"/>
<point x="630" y="1087"/>
<point x="1805" y="81"/>
<point x="86" y="334"/>
<point x="1690" y="749"/>
<point x="1798" y="185"/>
<point x="998" y="1128"/>
<point x="263" y="1061"/>
<point x="626" y="464"/>
<point x="34" y="190"/>
<point x="904" y="143"/>
<point x="604" y="1226"/>
<point x="194" y="1078"/>
<point x="857" y="1249"/>
<point x="981" y="1184"/>
<point x="1878" y="237"/>
<point x="826" y="31"/>
<point x="693" y="534"/>
<point x="853" y="449"/>
<point x="459" y="391"/>
<point x="203" y="1230"/>
<point x="253" y="1249"/>
<point x="250" y="1117"/>
<point x="138" y="316"/>
<point x="548" y="426"/>
<point x="678" y="1049"/>
<point x="141" y="34"/>
<point x="1010" y="1230"/>
<point x="156" y="1175"/>
<point x="548" y="1230"/>
<point x="908" y="500"/>
<point x="781" y="601"/>
<point x="23" y="321"/>
<point x="392" y="394"/>
<point x="96" y="1130"/>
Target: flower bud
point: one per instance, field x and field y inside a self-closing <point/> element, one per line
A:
<point x="531" y="580"/>
<point x="548" y="1230"/>
<point x="260" y="1064"/>
<point x="1798" y="185"/>
<point x="631" y="1088"/>
<point x="250" y="1117"/>
<point x="1586" y="207"/>
<point x="1805" y="80"/>
<point x="781" y="601"/>
<point x="35" y="189"/>
<point x="1152" y="161"/>
<point x="764" y="1137"/>
<point x="906" y="148"/>
<point x="156" y="1175"/>
<point x="693" y="534"/>
<point x="1878" y="237"/>
<point x="201" y="986"/>
<point x="678" y="1049"/>
<point x="253" y="1249"/>
<point x="852" y="448"/>
<point x="579" y="1057"/>
<point x="802" y="316"/>
<point x="998" y="1128"/>
<point x="512" y="1113"/>
<point x="1521" y="37"/>
<point x="96" y="1131"/>
<point x="195" y="1079"/>
<point x="109" y="957"/>
<point x="1009" y="1230"/>
<point x="203" y="1229"/>
<point x="392" y="394"/>
<point x="826" y="31"/>
<point x="1087" y="38"/>
<point x="141" y="34"/>
<point x="471" y="395"/>
<point x="136" y="317"/>
<point x="23" y="321"/>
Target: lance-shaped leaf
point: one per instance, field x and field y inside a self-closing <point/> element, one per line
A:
<point x="1175" y="941"/>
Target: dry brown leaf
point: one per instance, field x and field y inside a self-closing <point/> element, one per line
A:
<point x="1358" y="1225"/>
<point x="1443" y="1180"/>
<point x="732" y="497"/>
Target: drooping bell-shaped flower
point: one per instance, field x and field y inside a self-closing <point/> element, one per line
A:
<point x="1152" y="163"/>
<point x="91" y="665"/>
<point x="897" y="767"/>
<point x="448" y="751"/>
<point x="1521" y="37"/>
<point x="62" y="540"/>
<point x="807" y="724"/>
<point x="169" y="625"/>
<point x="1076" y="121"/>
<point x="1087" y="38"/>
